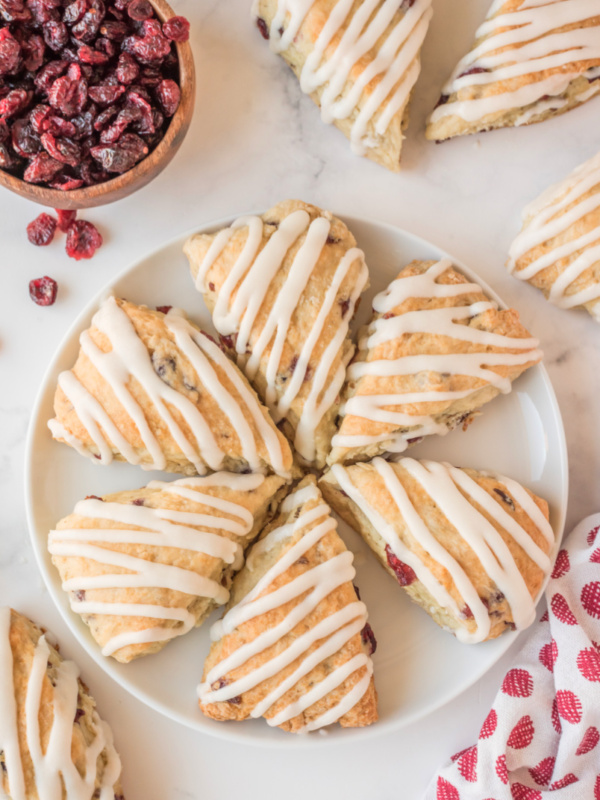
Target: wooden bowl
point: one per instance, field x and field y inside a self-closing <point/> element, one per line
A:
<point x="145" y="170"/>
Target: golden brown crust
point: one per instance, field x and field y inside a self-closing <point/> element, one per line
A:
<point x="259" y="562"/>
<point x="372" y="487"/>
<point x="449" y="412"/>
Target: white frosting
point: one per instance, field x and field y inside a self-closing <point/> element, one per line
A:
<point x="530" y="44"/>
<point x="547" y="218"/>
<point x="437" y="322"/>
<point x="250" y="278"/>
<point x="53" y="768"/>
<point x="129" y="360"/>
<point x="383" y="87"/>
<point x="454" y="493"/>
<point x="336" y="630"/>
<point x="184" y="530"/>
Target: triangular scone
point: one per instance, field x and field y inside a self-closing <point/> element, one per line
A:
<point x="358" y="61"/>
<point x="435" y="351"/>
<point x="282" y="289"/>
<point x="53" y="744"/>
<point x="471" y="548"/>
<point x="152" y="389"/>
<point x="294" y="645"/>
<point x="531" y="60"/>
<point x="558" y="249"/>
<point x="167" y="551"/>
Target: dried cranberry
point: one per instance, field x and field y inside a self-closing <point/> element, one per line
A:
<point x="14" y="102"/>
<point x="368" y="638"/>
<point x="405" y="574"/>
<point x="83" y="239"/>
<point x="42" y="169"/>
<point x="48" y="74"/>
<point x="164" y="309"/>
<point x="169" y="95"/>
<point x="43" y="291"/>
<point x="114" y="30"/>
<point x="75" y="11"/>
<point x="128" y="69"/>
<point x="112" y="134"/>
<point x="6" y="161"/>
<point x="473" y="71"/>
<point x="41" y="231"/>
<point x="139" y="10"/>
<point x="344" y="304"/>
<point x="152" y="47"/>
<point x="145" y="121"/>
<point x="65" y="184"/>
<point x="42" y="12"/>
<point x="443" y="100"/>
<point x="123" y="155"/>
<point x="57" y="126"/>
<point x="106" y="94"/>
<point x="65" y="218"/>
<point x="87" y="55"/>
<point x="83" y="124"/>
<point x="33" y="50"/>
<point x="262" y="27"/>
<point x="64" y="150"/>
<point x="14" y="10"/>
<point x="104" y="117"/>
<point x="56" y="35"/>
<point x="68" y="96"/>
<point x="10" y="52"/>
<point x="25" y="143"/>
<point x="4" y="131"/>
<point x="177" y="29"/>
<point x="466" y="612"/>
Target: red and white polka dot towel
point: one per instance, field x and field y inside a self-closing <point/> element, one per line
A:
<point x="541" y="739"/>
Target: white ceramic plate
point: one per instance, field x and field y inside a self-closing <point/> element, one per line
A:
<point x="418" y="667"/>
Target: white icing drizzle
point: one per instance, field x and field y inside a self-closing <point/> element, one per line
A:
<point x="391" y="74"/>
<point x="336" y="630"/>
<point x="161" y="528"/>
<point x="547" y="218"/>
<point x="53" y="768"/>
<point x="129" y="359"/>
<point x="531" y="45"/>
<point x="447" y="486"/>
<point x="250" y="278"/>
<point x="438" y="322"/>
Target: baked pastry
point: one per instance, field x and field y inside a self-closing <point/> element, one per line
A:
<point x="152" y="389"/>
<point x="471" y="548"/>
<point x="294" y="646"/>
<point x="282" y="289"/>
<point x="143" y="567"/>
<point x="53" y="744"/>
<point x="435" y="351"/>
<point x="558" y="250"/>
<point x="531" y="60"/>
<point x="358" y="61"/>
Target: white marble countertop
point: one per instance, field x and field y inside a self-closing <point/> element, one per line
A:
<point x="256" y="140"/>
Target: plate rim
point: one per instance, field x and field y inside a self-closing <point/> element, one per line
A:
<point x="79" y="629"/>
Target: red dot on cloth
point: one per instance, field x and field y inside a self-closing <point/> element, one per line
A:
<point x="566" y="781"/>
<point x="542" y="773"/>
<point x="548" y="655"/>
<point x="591" y="537"/>
<point x="597" y="789"/>
<point x="467" y="764"/>
<point x="590" y="739"/>
<point x="590" y="598"/>
<point x="445" y="790"/>
<point x="521" y="792"/>
<point x="562" y="565"/>
<point x="456" y="756"/>
<point x="556" y="723"/>
<point x="560" y="609"/>
<point x="588" y="663"/>
<point x="522" y="734"/>
<point x="545" y="616"/>
<point x="517" y="683"/>
<point x="489" y="725"/>
<point x="569" y="706"/>
<point x="502" y="769"/>
<point x="595" y="557"/>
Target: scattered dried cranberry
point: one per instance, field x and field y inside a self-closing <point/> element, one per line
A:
<point x="139" y="10"/>
<point x="43" y="291"/>
<point x="164" y="309"/>
<point x="83" y="239"/>
<point x="369" y="639"/>
<point x="177" y="29"/>
<point x="65" y="218"/>
<point x="405" y="574"/>
<point x="41" y="231"/>
<point x="262" y="27"/>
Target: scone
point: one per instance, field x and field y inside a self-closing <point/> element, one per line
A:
<point x="143" y="567"/>
<point x="558" y="250"/>
<point x="530" y="61"/>
<point x="358" y="61"/>
<point x="471" y="548"/>
<point x="294" y="646"/>
<point x="152" y="389"/>
<point x="282" y="289"/>
<point x="435" y="351"/>
<point x="53" y="744"/>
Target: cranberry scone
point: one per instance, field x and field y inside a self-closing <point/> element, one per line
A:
<point x="435" y="351"/>
<point x="282" y="290"/>
<point x="152" y="389"/>
<point x="144" y="567"/>
<point x="358" y="61"/>
<point x="471" y="548"/>
<point x="558" y="250"/>
<point x="294" y="645"/>
<point x="53" y="744"/>
<point x="531" y="60"/>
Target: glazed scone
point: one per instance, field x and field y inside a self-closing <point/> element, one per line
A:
<point x="530" y="61"/>
<point x="435" y="351"/>
<point x="471" y="548"/>
<point x="558" y="250"/>
<point x="282" y="290"/>
<point x="294" y="645"/>
<point x="358" y="61"/>
<point x="152" y="389"/>
<point x="167" y="551"/>
<point x="52" y="741"/>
